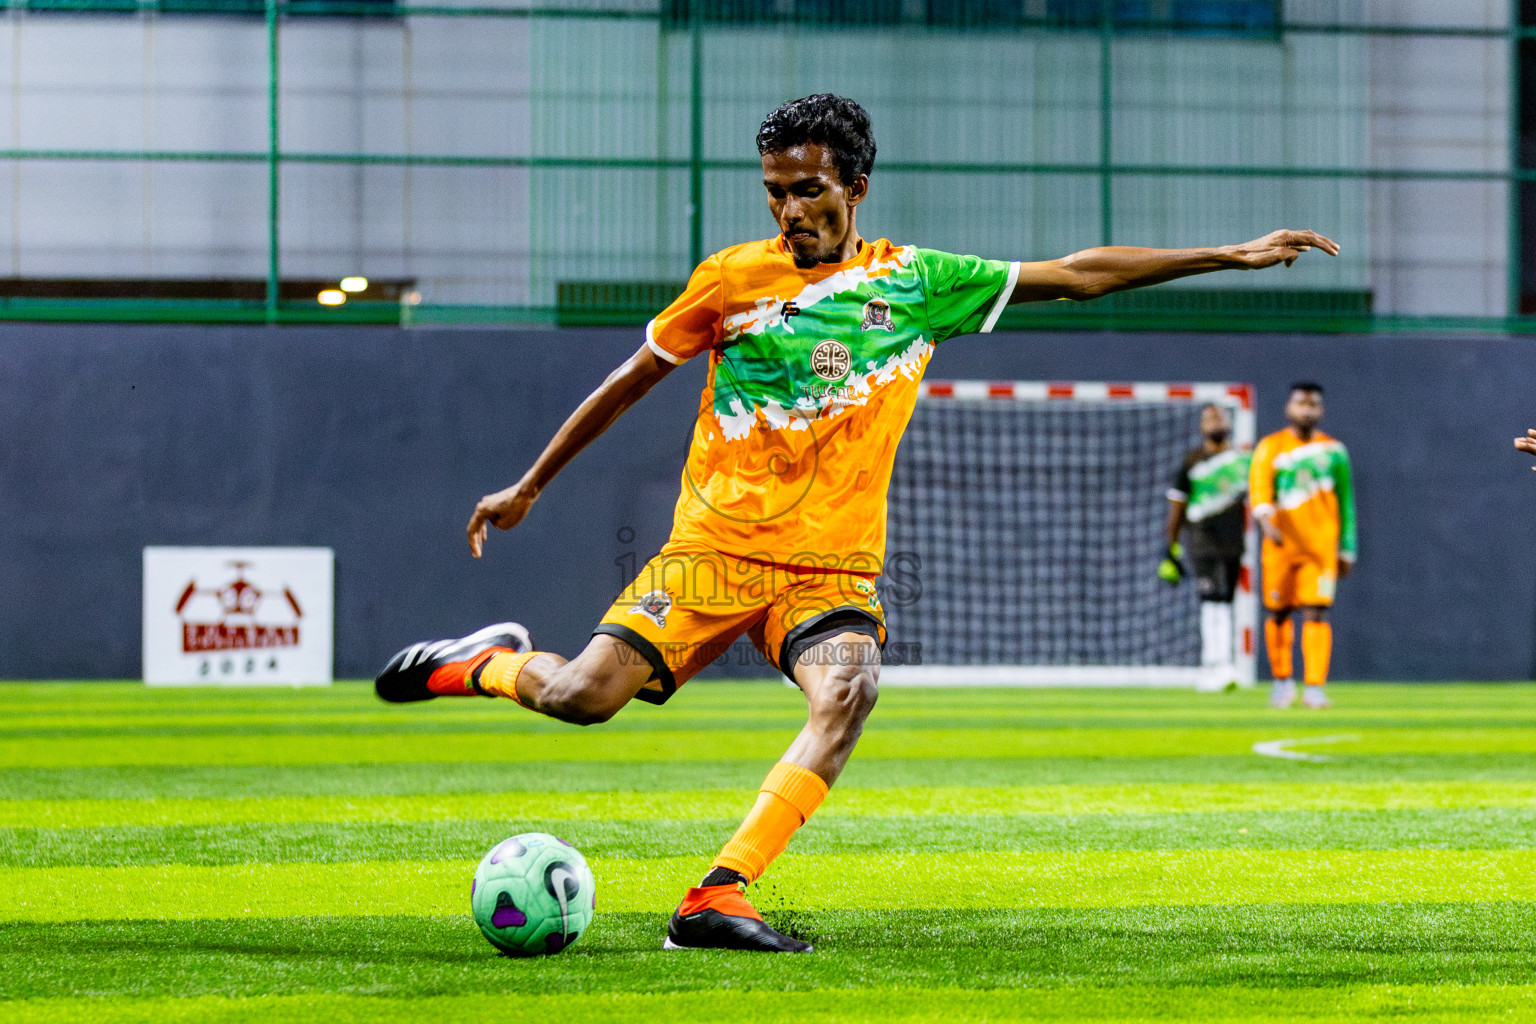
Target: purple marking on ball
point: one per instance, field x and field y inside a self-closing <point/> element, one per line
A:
<point x="471" y="888"/>
<point x="506" y="915"/>
<point x="508" y="848"/>
<point x="562" y="842"/>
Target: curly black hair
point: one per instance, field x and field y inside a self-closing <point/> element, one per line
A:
<point x="833" y="121"/>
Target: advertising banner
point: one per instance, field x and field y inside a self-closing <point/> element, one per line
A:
<point x="238" y="616"/>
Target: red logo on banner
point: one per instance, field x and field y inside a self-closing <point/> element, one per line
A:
<point x="225" y="619"/>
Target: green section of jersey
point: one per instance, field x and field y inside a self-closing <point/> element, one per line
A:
<point x="962" y="291"/>
<point x="841" y="338"/>
<point x="1217" y="484"/>
<point x="1311" y="469"/>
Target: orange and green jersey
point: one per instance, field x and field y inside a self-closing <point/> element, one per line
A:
<point x="1310" y="489"/>
<point x="813" y="374"/>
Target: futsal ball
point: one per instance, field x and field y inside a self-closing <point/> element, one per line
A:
<point x="533" y="894"/>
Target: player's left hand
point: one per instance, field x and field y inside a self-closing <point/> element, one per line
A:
<point x="1281" y="246"/>
<point x="1527" y="444"/>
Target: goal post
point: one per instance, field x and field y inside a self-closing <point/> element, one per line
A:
<point x="1026" y="521"/>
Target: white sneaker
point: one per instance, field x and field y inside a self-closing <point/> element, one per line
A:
<point x="1283" y="694"/>
<point x="1315" y="698"/>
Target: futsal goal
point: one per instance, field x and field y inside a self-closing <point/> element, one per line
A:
<point x="1026" y="523"/>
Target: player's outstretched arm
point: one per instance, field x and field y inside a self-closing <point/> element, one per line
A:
<point x="1093" y="273"/>
<point x="623" y="388"/>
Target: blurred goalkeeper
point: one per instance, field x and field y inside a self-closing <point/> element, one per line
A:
<point x="1206" y="506"/>
<point x="816" y="341"/>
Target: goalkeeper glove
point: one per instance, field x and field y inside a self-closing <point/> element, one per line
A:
<point x="1171" y="570"/>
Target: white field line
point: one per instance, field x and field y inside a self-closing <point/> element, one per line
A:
<point x="1279" y="748"/>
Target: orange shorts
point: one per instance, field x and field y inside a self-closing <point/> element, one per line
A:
<point x="1295" y="579"/>
<point x="686" y="607"/>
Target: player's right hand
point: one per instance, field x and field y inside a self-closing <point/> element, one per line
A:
<point x="1171" y="570"/>
<point x="504" y="510"/>
<point x="1270" y="530"/>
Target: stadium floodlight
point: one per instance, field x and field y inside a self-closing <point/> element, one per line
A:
<point x="1026" y="521"/>
<point x="354" y="284"/>
<point x="331" y="297"/>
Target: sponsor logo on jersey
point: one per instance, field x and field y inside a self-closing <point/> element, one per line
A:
<point x="868" y="590"/>
<point x="830" y="360"/>
<point x="877" y="316"/>
<point x="1327" y="585"/>
<point x="654" y="606"/>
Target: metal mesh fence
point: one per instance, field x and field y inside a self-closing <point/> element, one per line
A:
<point x="565" y="163"/>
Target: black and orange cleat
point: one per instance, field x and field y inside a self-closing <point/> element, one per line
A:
<point x="441" y="667"/>
<point x="719" y="917"/>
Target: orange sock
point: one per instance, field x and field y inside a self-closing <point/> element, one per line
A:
<point x="499" y="676"/>
<point x="1316" y="649"/>
<point x="789" y="796"/>
<point x="1277" y="638"/>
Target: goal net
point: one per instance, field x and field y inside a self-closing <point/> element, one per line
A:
<point x="1026" y="522"/>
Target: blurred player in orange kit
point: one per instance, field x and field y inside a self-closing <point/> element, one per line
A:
<point x="816" y="341"/>
<point x="1303" y="498"/>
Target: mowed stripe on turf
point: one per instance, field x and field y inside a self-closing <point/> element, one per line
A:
<point x="703" y="805"/>
<point x="252" y="842"/>
<point x="363" y="781"/>
<point x="853" y="882"/>
<point x="1445" y="1003"/>
<point x="789" y="710"/>
<point x="1283" y="946"/>
<point x="132" y="697"/>
<point x="706" y="745"/>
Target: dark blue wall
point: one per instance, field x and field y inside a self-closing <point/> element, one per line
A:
<point x="377" y="442"/>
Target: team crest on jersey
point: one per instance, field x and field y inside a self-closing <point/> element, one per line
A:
<point x="830" y="360"/>
<point x="877" y="316"/>
<point x="654" y="606"/>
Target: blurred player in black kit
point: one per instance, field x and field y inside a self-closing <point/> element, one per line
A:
<point x="1206" y="504"/>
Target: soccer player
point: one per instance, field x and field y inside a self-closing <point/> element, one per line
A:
<point x="1304" y="502"/>
<point x="1207" y="497"/>
<point x="816" y="340"/>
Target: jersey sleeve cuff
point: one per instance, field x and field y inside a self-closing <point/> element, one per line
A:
<point x="1002" y="299"/>
<point x="661" y="353"/>
<point x="1263" y="509"/>
<point x="1175" y="494"/>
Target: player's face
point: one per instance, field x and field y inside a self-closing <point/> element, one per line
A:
<point x="810" y="202"/>
<point x="1214" y="423"/>
<point x="1304" y="410"/>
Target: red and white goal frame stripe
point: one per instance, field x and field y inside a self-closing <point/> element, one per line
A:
<point x="1240" y="400"/>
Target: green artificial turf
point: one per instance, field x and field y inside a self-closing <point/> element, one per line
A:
<point x="990" y="855"/>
